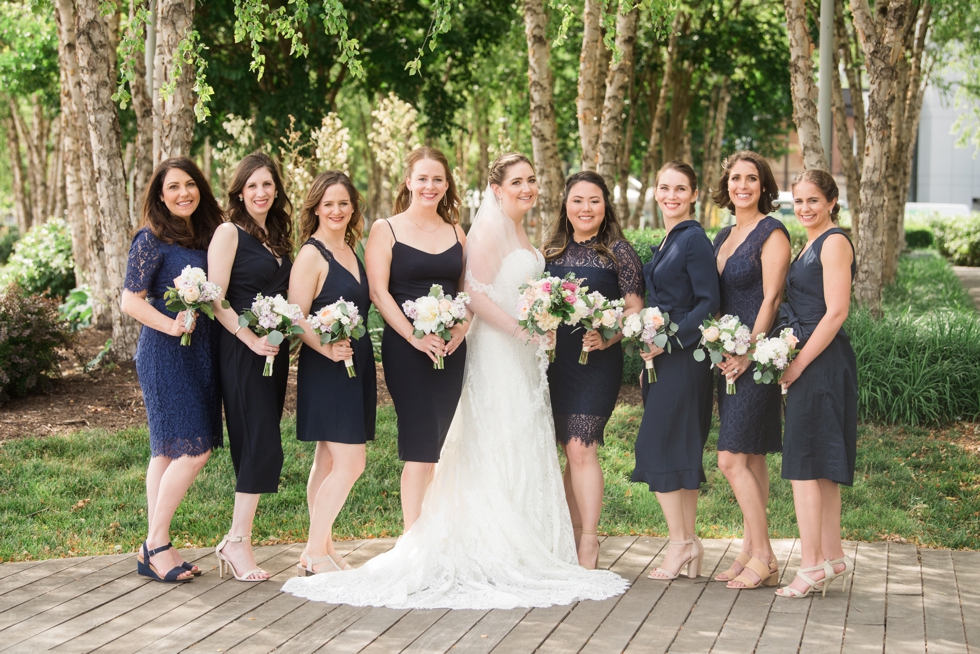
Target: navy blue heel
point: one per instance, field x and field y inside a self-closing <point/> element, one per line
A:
<point x="145" y="569"/>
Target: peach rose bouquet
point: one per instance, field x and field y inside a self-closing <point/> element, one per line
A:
<point x="649" y="327"/>
<point x="192" y="292"/>
<point x="721" y="336"/>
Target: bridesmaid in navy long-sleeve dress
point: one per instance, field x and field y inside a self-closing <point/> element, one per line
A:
<point x="682" y="281"/>
<point x="179" y="383"/>
<point x="332" y="409"/>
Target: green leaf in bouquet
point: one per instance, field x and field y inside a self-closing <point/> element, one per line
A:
<point x="418" y="333"/>
<point x="767" y="377"/>
<point x="358" y="332"/>
<point x="225" y="304"/>
<point x="436" y="291"/>
<point x="716" y="357"/>
<point x="336" y="327"/>
<point x="343" y="308"/>
<point x="324" y="338"/>
<point x="207" y="310"/>
<point x="660" y="340"/>
<point x="275" y="337"/>
<point x="246" y="319"/>
<point x="757" y="376"/>
<point x="609" y="332"/>
<point x="446" y="335"/>
<point x="295" y="330"/>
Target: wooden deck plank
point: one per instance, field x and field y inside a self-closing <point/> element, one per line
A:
<point x="904" y="613"/>
<point x="365" y="631"/>
<point x="7" y="569"/>
<point x="325" y="628"/>
<point x="530" y="632"/>
<point x="945" y="633"/>
<point x="828" y="615"/>
<point x="870" y="583"/>
<point x="576" y="630"/>
<point x="405" y="631"/>
<point x="967" y="568"/>
<point x="42" y="579"/>
<point x="277" y="633"/>
<point x="490" y="630"/>
<point x="441" y="636"/>
<point x="904" y="570"/>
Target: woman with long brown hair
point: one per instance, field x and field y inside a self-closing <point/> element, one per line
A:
<point x="250" y="254"/>
<point x="421" y="245"/>
<point x="179" y="384"/>
<point x="332" y="409"/>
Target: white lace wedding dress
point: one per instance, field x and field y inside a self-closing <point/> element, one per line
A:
<point x="495" y="530"/>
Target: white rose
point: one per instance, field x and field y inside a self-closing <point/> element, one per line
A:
<point x="608" y="318"/>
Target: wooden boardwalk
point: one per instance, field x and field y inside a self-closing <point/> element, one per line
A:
<point x="903" y="599"/>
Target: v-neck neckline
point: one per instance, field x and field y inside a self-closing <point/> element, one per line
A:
<point x="356" y="278"/>
<point x="721" y="272"/>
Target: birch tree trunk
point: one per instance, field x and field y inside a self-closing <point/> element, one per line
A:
<point x="173" y="118"/>
<point x="623" y="205"/>
<point x="802" y="86"/>
<point x="143" y="108"/>
<point x="22" y="200"/>
<point x="94" y="67"/>
<point x="35" y="140"/>
<point x="56" y="173"/>
<point x="882" y="45"/>
<point x="544" y="130"/>
<point x="589" y="86"/>
<point x="849" y="161"/>
<point x="73" y="190"/>
<point x="617" y="89"/>
<point x="682" y="94"/>
<point x="714" y="135"/>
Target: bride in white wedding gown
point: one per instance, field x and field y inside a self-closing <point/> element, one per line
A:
<point x="495" y="531"/>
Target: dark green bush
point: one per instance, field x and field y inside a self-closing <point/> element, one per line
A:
<point x="31" y="334"/>
<point x="8" y="236"/>
<point x="919" y="237"/>
<point x="958" y="239"/>
<point x="41" y="262"/>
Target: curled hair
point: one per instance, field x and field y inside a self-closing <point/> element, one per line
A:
<point x="687" y="171"/>
<point x="770" y="190"/>
<point x="309" y="221"/>
<point x="561" y="233"/>
<point x="500" y="166"/>
<point x="158" y="219"/>
<point x="827" y="186"/>
<point x="279" y="223"/>
<point x="448" y="208"/>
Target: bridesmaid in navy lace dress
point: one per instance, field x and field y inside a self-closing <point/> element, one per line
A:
<point x="179" y="383"/>
<point x="250" y="255"/>
<point x="332" y="409"/>
<point x="406" y="254"/>
<point x="820" y="446"/>
<point x="682" y="281"/>
<point x="587" y="240"/>
<point x="752" y="257"/>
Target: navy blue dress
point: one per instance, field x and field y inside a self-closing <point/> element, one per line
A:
<point x="330" y="406"/>
<point x="584" y="396"/>
<point x="253" y="403"/>
<point x="821" y="405"/>
<point x="425" y="399"/>
<point x="750" y="420"/>
<point x="682" y="281"/>
<point x="179" y="383"/>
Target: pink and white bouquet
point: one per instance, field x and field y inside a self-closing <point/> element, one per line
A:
<point x="336" y="322"/>
<point x="649" y="327"/>
<point x="192" y="292"/>
<point x="725" y="335"/>
<point x="773" y="355"/>
<point x="436" y="313"/>
<point x="601" y="315"/>
<point x="274" y="318"/>
<point x="547" y="302"/>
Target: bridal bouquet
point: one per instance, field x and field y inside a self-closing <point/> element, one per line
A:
<point x="274" y="318"/>
<point x="435" y="314"/>
<point x="649" y="327"/>
<point x="601" y="315"/>
<point x="336" y="322"/>
<point x="547" y="302"/>
<point x="725" y="335"/>
<point x="773" y="355"/>
<point x="192" y="292"/>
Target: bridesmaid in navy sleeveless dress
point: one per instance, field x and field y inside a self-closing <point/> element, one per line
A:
<point x="334" y="410"/>
<point x="682" y="281"/>
<point x="251" y="255"/>
<point x="179" y="383"/>
<point x="406" y="254"/>
<point x="753" y="257"/>
<point x="820" y="444"/>
<point x="588" y="241"/>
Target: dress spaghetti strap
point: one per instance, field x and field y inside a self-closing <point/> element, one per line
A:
<point x="321" y="248"/>
<point x="393" y="230"/>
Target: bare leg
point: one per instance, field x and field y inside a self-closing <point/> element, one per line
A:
<point x="154" y="474"/>
<point x="348" y="464"/>
<point x="678" y="509"/>
<point x="759" y="466"/>
<point x="808" y="500"/>
<point x="744" y="483"/>
<point x="416" y="477"/>
<point x="322" y="464"/>
<point x="573" y="511"/>
<point x="171" y="486"/>
<point x="830" y="539"/>
<point x="587" y="488"/>
<point x="240" y="554"/>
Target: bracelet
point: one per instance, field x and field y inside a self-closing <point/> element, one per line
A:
<point x="237" y="330"/>
<point x="514" y="333"/>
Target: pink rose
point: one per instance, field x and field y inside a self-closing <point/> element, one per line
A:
<point x="711" y="334"/>
<point x="546" y="287"/>
<point x="569" y="286"/>
<point x="657" y="321"/>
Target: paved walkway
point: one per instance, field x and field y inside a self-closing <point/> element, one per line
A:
<point x="902" y="600"/>
<point x="970" y="277"/>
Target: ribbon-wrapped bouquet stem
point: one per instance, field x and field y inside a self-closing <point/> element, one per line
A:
<point x="436" y="313"/>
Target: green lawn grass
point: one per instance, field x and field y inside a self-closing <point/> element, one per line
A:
<point x="83" y="493"/>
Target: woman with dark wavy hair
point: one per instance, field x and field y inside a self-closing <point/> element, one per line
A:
<point x="587" y="240"/>
<point x="251" y="255"/>
<point x="333" y="410"/>
<point x="179" y="384"/>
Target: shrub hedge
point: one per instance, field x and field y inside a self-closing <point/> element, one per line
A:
<point x="9" y="235"/>
<point x="41" y="263"/>
<point x="958" y="239"/>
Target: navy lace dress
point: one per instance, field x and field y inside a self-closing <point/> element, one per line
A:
<point x="584" y="396"/>
<point x="179" y="383"/>
<point x="821" y="405"/>
<point x="750" y="419"/>
<point x="330" y="405"/>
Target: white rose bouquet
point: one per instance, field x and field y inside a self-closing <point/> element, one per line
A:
<point x="547" y="302"/>
<point x="649" y="327"/>
<point x="599" y="314"/>
<point x="336" y="322"/>
<point x="724" y="335"/>
<point x="773" y="355"/>
<point x="192" y="292"/>
<point x="436" y="313"/>
<point x="274" y="318"/>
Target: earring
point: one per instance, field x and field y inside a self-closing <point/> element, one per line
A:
<point x="445" y="200"/>
<point x="241" y="199"/>
<point x="277" y="194"/>
<point x="500" y="203"/>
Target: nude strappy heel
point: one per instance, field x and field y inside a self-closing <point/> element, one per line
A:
<point x="693" y="563"/>
<point x="311" y="561"/>
<point x="225" y="561"/>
